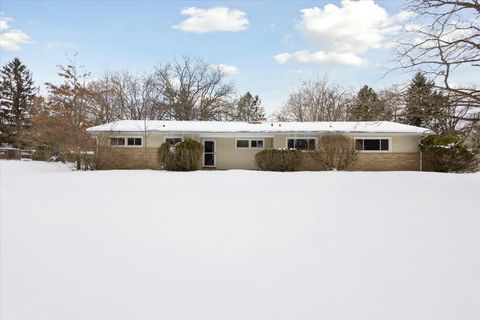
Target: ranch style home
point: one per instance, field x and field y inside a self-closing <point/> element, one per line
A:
<point x="381" y="145"/>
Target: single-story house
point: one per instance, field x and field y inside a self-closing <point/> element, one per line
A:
<point x="381" y="145"/>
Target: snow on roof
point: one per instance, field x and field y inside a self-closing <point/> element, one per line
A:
<point x="258" y="127"/>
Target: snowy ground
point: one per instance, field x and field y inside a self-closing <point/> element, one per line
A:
<point x="237" y="245"/>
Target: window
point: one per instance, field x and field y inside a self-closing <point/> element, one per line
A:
<point x="242" y="143"/>
<point x="117" y="141"/>
<point x="256" y="143"/>
<point x="126" y="141"/>
<point x="376" y="144"/>
<point x="249" y="143"/>
<point x="173" y="141"/>
<point x="134" y="141"/>
<point x="301" y="143"/>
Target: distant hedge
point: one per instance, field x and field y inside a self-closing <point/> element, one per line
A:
<point x="183" y="156"/>
<point x="278" y="160"/>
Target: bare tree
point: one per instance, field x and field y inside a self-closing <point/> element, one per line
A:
<point x="60" y="121"/>
<point x="105" y="105"/>
<point x="393" y="100"/>
<point x="194" y="89"/>
<point x="441" y="41"/>
<point x="122" y="95"/>
<point x="316" y="100"/>
<point x="335" y="152"/>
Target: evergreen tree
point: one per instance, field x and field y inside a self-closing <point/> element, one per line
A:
<point x="16" y="99"/>
<point x="367" y="106"/>
<point x="427" y="107"/>
<point x="249" y="108"/>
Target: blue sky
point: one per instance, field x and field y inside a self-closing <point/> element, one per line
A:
<point x="269" y="46"/>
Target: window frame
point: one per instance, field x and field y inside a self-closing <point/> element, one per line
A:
<point x="250" y="143"/>
<point x="374" y="138"/>
<point x="125" y="144"/>
<point x="117" y="145"/>
<point x="172" y="137"/>
<point x="301" y="138"/>
<point x="134" y="145"/>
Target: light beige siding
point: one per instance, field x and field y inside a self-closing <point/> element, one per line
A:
<point x="400" y="144"/>
<point x="403" y="156"/>
<point x="229" y="157"/>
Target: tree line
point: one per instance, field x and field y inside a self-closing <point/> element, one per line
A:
<point x="420" y="104"/>
<point x="191" y="89"/>
<point x="188" y="89"/>
<point x="445" y="42"/>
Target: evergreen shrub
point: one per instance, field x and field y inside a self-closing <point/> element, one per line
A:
<point x="183" y="156"/>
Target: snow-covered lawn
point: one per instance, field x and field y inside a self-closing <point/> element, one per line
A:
<point x="237" y="245"/>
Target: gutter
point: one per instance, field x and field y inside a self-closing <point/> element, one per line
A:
<point x="259" y="132"/>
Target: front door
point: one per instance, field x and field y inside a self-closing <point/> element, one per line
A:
<point x="209" y="153"/>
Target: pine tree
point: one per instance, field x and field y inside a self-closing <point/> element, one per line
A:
<point x="249" y="108"/>
<point x="367" y="106"/>
<point x="17" y="94"/>
<point x="425" y="106"/>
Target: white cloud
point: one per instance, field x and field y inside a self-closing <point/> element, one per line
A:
<point x="405" y="15"/>
<point x="4" y="23"/>
<point x="341" y="34"/>
<point x="213" y="19"/>
<point x="226" y="68"/>
<point x="321" y="57"/>
<point x="282" y="57"/>
<point x="11" y="39"/>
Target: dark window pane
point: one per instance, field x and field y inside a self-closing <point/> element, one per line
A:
<point x="173" y="141"/>
<point x="311" y="144"/>
<point x="113" y="141"/>
<point x="301" y="144"/>
<point x="256" y="143"/>
<point x="121" y="141"/>
<point x="291" y="143"/>
<point x="384" y="144"/>
<point x="359" y="144"/>
<point x="242" y="143"/>
<point x="131" y="141"/>
<point x="209" y="146"/>
<point x="209" y="159"/>
<point x="371" y="144"/>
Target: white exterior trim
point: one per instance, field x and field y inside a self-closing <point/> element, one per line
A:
<point x="390" y="146"/>
<point x="302" y="138"/>
<point x="240" y="135"/>
<point x="125" y="145"/>
<point x="250" y="143"/>
<point x="172" y="137"/>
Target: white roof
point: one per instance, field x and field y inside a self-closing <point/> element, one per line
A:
<point x="262" y="127"/>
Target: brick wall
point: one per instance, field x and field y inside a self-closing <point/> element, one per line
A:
<point x="372" y="162"/>
<point x="134" y="158"/>
<point x="129" y="158"/>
